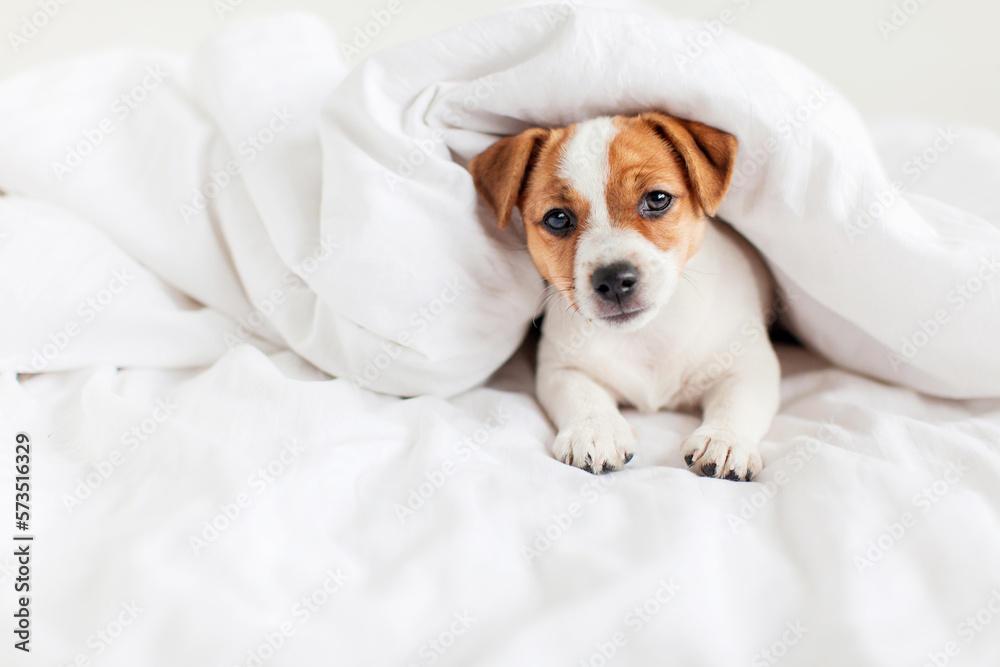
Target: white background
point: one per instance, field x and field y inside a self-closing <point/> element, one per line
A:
<point x="942" y="64"/>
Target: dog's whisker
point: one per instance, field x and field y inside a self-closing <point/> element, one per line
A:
<point x="691" y="281"/>
<point x="549" y="292"/>
<point x="547" y="300"/>
<point x="541" y="301"/>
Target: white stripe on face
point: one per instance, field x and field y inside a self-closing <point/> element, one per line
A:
<point x="585" y="167"/>
<point x="584" y="164"/>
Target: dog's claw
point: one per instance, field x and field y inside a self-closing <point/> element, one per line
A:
<point x="716" y="452"/>
<point x="597" y="444"/>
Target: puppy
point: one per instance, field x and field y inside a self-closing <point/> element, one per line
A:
<point x="661" y="306"/>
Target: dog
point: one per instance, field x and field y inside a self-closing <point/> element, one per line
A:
<point x="657" y="304"/>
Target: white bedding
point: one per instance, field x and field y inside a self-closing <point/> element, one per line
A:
<point x="173" y="368"/>
<point x="847" y="459"/>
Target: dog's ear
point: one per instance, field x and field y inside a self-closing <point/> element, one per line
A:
<point x="501" y="171"/>
<point x="709" y="155"/>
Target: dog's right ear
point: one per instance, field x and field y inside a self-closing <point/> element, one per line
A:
<point x="501" y="171"/>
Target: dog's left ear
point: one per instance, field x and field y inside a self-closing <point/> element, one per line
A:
<point x="709" y="155"/>
<point x="501" y="171"/>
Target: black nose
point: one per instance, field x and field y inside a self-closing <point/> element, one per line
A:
<point x="615" y="282"/>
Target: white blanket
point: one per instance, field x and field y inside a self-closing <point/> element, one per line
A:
<point x="183" y="245"/>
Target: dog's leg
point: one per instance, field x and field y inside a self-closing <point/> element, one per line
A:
<point x="738" y="409"/>
<point x="593" y="435"/>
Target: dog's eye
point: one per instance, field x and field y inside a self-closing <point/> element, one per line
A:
<point x="655" y="203"/>
<point x="559" y="221"/>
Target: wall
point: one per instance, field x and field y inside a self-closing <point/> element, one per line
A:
<point x="943" y="62"/>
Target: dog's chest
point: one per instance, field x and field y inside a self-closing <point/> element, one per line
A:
<point x="646" y="371"/>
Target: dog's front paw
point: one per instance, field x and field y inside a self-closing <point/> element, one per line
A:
<point x="716" y="452"/>
<point x="597" y="444"/>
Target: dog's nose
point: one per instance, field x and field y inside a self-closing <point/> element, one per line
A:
<point x="615" y="282"/>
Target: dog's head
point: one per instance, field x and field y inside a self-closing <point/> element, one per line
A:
<point x="613" y="208"/>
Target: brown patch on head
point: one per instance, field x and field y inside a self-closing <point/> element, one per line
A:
<point x="655" y="152"/>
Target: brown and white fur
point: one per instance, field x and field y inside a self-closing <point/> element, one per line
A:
<point x="660" y="301"/>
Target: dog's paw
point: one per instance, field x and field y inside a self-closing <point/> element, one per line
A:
<point x="716" y="452"/>
<point x="597" y="444"/>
